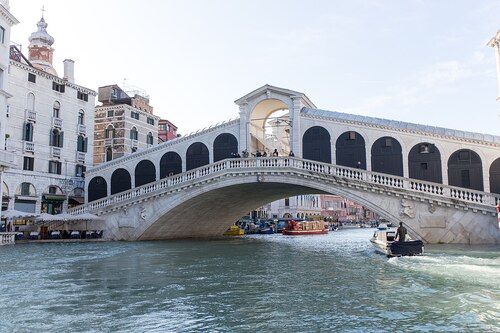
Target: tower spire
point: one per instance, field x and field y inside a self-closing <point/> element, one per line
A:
<point x="40" y="48"/>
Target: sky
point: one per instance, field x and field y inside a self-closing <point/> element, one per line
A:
<point x="417" y="61"/>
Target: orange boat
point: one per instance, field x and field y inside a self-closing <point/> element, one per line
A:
<point x="295" y="228"/>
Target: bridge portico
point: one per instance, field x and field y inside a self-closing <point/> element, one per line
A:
<point x="275" y="118"/>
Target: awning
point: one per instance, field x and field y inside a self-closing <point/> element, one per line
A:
<point x="76" y="200"/>
<point x="25" y="197"/>
<point x="54" y="197"/>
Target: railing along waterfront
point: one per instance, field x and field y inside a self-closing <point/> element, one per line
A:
<point x="262" y="164"/>
<point x="7" y="238"/>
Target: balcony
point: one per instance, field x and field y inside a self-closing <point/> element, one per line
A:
<point x="109" y="142"/>
<point x="80" y="157"/>
<point x="55" y="152"/>
<point x="28" y="147"/>
<point x="30" y="115"/>
<point x="81" y="129"/>
<point x="56" y="122"/>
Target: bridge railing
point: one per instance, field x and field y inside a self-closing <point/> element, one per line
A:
<point x="359" y="176"/>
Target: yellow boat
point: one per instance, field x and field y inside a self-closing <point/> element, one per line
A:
<point x="234" y="230"/>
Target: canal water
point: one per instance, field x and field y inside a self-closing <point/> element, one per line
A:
<point x="266" y="283"/>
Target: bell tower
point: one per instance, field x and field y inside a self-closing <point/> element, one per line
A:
<point x="40" y="48"/>
<point x="495" y="43"/>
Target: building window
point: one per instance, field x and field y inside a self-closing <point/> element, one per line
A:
<point x="25" y="189"/>
<point x="28" y="163"/>
<point x="55" y="167"/>
<point x="31" y="77"/>
<point x="287" y="202"/>
<point x="81" y="144"/>
<point x="163" y="127"/>
<point x="81" y="117"/>
<point x="58" y="87"/>
<point x="149" y="139"/>
<point x="109" y="133"/>
<point x="28" y="132"/>
<point x="134" y="134"/>
<point x="56" y="110"/>
<point x="111" y="113"/>
<point x="80" y="170"/>
<point x="82" y="96"/>
<point x="151" y="121"/>
<point x="134" y="115"/>
<point x="56" y="138"/>
<point x="2" y="34"/>
<point x="109" y="154"/>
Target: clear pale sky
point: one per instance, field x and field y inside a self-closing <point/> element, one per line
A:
<point x="417" y="61"/>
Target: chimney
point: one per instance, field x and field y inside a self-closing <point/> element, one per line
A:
<point x="69" y="70"/>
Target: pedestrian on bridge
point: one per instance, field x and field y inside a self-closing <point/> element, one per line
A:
<point x="275" y="153"/>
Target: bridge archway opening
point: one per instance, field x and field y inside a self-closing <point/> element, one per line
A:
<point x="350" y="150"/>
<point x="316" y="145"/>
<point x="97" y="189"/>
<point x="495" y="176"/>
<point x="197" y="155"/>
<point x="120" y="181"/>
<point x="170" y="164"/>
<point x="387" y="156"/>
<point x="225" y="145"/>
<point x="465" y="170"/>
<point x="270" y="127"/>
<point x="145" y="172"/>
<point x="424" y="163"/>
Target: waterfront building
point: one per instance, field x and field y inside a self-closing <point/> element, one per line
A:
<point x="166" y="131"/>
<point x="495" y="43"/>
<point x="49" y="122"/>
<point x="124" y="123"/>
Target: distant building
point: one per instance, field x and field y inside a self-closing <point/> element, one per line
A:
<point x="123" y="124"/>
<point x="49" y="122"/>
<point x="166" y="131"/>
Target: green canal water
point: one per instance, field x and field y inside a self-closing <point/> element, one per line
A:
<point x="258" y="283"/>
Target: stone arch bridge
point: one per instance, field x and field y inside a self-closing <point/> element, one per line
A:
<point x="443" y="183"/>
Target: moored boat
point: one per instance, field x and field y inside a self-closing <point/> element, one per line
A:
<point x="295" y="228"/>
<point x="234" y="230"/>
<point x="383" y="241"/>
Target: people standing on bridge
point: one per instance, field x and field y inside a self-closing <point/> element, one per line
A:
<point x="245" y="153"/>
<point x="258" y="154"/>
<point x="291" y="154"/>
<point x="401" y="233"/>
<point x="275" y="153"/>
<point x="264" y="154"/>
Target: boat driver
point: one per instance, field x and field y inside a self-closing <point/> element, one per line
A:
<point x="401" y="233"/>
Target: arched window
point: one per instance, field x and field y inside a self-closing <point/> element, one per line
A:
<point x="56" y="138"/>
<point x="316" y="145"/>
<point x="98" y="188"/>
<point x="387" y="156"/>
<point x="81" y="144"/>
<point x="224" y="145"/>
<point x="424" y="163"/>
<point x="120" y="181"/>
<point x="465" y="170"/>
<point x="145" y="172"/>
<point x="81" y="117"/>
<point x="30" y="102"/>
<point x="196" y="156"/>
<point x="149" y="138"/>
<point x="109" y="154"/>
<point x="56" y="110"/>
<point x="28" y="131"/>
<point x="350" y="150"/>
<point x="170" y="164"/>
<point x="109" y="133"/>
<point x="133" y="133"/>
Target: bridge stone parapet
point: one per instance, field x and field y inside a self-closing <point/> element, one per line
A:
<point x="204" y="201"/>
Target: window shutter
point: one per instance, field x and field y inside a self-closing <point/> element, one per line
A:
<point x="51" y="138"/>
<point x="61" y="136"/>
<point x="85" y="144"/>
<point x="24" y="131"/>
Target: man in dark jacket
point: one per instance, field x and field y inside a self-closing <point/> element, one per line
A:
<point x="401" y="233"/>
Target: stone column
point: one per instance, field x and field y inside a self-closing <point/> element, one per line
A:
<point x="295" y="134"/>
<point x="244" y="139"/>
<point x="495" y="43"/>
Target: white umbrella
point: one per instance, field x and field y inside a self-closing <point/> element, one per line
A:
<point x="85" y="217"/>
<point x="49" y="217"/>
<point x="13" y="214"/>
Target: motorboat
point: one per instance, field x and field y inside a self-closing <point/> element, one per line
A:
<point x="384" y="242"/>
<point x="234" y="230"/>
<point x="295" y="228"/>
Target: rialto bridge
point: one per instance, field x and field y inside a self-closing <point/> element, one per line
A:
<point x="443" y="184"/>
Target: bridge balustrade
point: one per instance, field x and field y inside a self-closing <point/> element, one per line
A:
<point x="287" y="163"/>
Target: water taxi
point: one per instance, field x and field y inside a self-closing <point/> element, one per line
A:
<point x="295" y="228"/>
<point x="234" y="230"/>
<point x="383" y="241"/>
